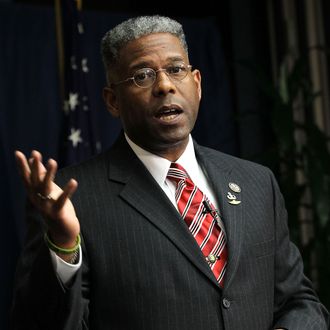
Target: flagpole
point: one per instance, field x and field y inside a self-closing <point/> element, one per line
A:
<point x="60" y="49"/>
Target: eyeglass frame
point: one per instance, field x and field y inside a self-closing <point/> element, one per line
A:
<point x="187" y="66"/>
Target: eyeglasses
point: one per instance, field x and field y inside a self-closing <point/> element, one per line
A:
<point x="146" y="77"/>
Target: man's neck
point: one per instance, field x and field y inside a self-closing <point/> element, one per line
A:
<point x="171" y="153"/>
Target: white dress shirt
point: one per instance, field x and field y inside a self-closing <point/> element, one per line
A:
<point x="158" y="168"/>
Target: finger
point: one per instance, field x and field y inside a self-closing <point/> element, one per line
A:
<point x="23" y="167"/>
<point x="49" y="177"/>
<point x="37" y="169"/>
<point x="68" y="191"/>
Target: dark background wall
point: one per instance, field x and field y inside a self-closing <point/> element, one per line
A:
<point x="233" y="116"/>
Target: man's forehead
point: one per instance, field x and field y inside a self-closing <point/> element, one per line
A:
<point x="150" y="47"/>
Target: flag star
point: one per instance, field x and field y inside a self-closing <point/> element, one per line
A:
<point x="80" y="28"/>
<point x="84" y="65"/>
<point x="73" y="100"/>
<point x="75" y="137"/>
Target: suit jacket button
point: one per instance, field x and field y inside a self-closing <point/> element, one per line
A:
<point x="225" y="303"/>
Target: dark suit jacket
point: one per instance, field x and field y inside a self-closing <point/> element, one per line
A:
<point x="143" y="270"/>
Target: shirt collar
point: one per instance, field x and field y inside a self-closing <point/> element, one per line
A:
<point x="159" y="166"/>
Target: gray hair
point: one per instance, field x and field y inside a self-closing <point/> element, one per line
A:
<point x="135" y="28"/>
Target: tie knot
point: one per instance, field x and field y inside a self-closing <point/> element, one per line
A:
<point x="176" y="172"/>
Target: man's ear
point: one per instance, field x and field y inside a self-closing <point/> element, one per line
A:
<point x="110" y="99"/>
<point x="198" y="82"/>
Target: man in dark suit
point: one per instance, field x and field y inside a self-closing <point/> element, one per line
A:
<point x="117" y="252"/>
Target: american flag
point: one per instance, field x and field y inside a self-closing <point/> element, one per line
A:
<point x="79" y="139"/>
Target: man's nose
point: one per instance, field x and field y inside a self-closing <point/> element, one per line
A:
<point x="163" y="84"/>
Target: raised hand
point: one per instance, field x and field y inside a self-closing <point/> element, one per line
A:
<point x="52" y="201"/>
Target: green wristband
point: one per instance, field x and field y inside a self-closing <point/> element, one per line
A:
<point x="58" y="249"/>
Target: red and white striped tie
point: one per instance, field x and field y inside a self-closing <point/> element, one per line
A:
<point x="202" y="225"/>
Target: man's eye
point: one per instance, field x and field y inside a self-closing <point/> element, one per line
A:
<point x="143" y="74"/>
<point x="140" y="76"/>
<point x="176" y="69"/>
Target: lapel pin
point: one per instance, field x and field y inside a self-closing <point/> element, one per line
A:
<point x="232" y="199"/>
<point x="234" y="202"/>
<point x="234" y="187"/>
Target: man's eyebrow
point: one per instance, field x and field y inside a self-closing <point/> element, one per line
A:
<point x="140" y="65"/>
<point x="146" y="64"/>
<point x="175" y="59"/>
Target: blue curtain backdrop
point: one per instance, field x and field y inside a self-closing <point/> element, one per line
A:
<point x="30" y="109"/>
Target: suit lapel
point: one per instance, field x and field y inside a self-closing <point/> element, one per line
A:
<point x="142" y="192"/>
<point x="220" y="174"/>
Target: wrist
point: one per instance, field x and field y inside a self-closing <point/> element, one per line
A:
<point x="62" y="241"/>
<point x="66" y="249"/>
<point x="70" y="258"/>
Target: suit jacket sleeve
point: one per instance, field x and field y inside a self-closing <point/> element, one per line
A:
<point x="296" y="304"/>
<point x="40" y="300"/>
